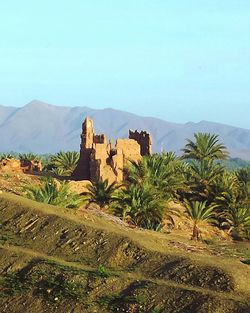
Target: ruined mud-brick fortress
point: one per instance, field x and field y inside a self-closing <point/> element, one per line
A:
<point x="100" y="160"/>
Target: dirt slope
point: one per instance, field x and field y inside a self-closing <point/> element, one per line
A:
<point x="53" y="260"/>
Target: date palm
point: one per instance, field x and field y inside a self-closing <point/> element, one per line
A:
<point x="64" y="162"/>
<point x="243" y="176"/>
<point x="237" y="219"/>
<point x="163" y="171"/>
<point x="100" y="192"/>
<point x="54" y="193"/>
<point x="4" y="156"/>
<point x="228" y="191"/>
<point x="141" y="206"/>
<point x="29" y="157"/>
<point x="206" y="146"/>
<point x="197" y="212"/>
<point x="203" y="176"/>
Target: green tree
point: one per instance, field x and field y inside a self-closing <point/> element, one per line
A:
<point x="165" y="172"/>
<point x="141" y="205"/>
<point x="198" y="212"/>
<point x="202" y="178"/>
<point x="100" y="192"/>
<point x="237" y="219"/>
<point x="55" y="193"/>
<point x="206" y="146"/>
<point x="4" y="156"/>
<point x="29" y="157"/>
<point x="64" y="162"/>
<point x="243" y="176"/>
<point x="228" y="191"/>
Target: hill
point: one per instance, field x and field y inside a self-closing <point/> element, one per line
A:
<point x="57" y="260"/>
<point x="45" y="128"/>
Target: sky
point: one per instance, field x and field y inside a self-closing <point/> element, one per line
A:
<point x="186" y="60"/>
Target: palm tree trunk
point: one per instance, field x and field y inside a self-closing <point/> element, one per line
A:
<point x="195" y="235"/>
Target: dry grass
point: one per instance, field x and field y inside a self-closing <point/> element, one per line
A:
<point x="149" y="264"/>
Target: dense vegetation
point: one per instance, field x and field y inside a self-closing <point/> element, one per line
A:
<point x="200" y="180"/>
<point x="53" y="192"/>
<point x="207" y="190"/>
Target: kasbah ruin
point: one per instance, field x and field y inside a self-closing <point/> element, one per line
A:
<point x="100" y="160"/>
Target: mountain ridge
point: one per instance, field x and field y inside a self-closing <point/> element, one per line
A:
<point x="46" y="128"/>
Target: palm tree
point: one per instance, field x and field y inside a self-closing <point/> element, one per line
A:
<point x="4" y="156"/>
<point x="205" y="147"/>
<point x="30" y="161"/>
<point x="58" y="171"/>
<point x="243" y="176"/>
<point x="165" y="172"/>
<point x="100" y="192"/>
<point x="237" y="218"/>
<point x="65" y="162"/>
<point x="141" y="205"/>
<point x="202" y="178"/>
<point x="29" y="157"/>
<point x="54" y="193"/>
<point x="198" y="212"/>
<point x="137" y="171"/>
<point x="232" y="200"/>
<point x="228" y="191"/>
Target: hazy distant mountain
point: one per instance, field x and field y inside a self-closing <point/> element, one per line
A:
<point x="42" y="128"/>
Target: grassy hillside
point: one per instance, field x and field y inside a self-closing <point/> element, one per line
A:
<point x="58" y="260"/>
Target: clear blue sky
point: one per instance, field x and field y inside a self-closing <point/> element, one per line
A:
<point x="180" y="60"/>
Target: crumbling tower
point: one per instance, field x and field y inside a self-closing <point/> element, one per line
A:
<point x="82" y="171"/>
<point x="144" y="140"/>
<point x="100" y="160"/>
<point x="87" y="135"/>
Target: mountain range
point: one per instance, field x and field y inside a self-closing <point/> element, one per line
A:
<point x="44" y="128"/>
